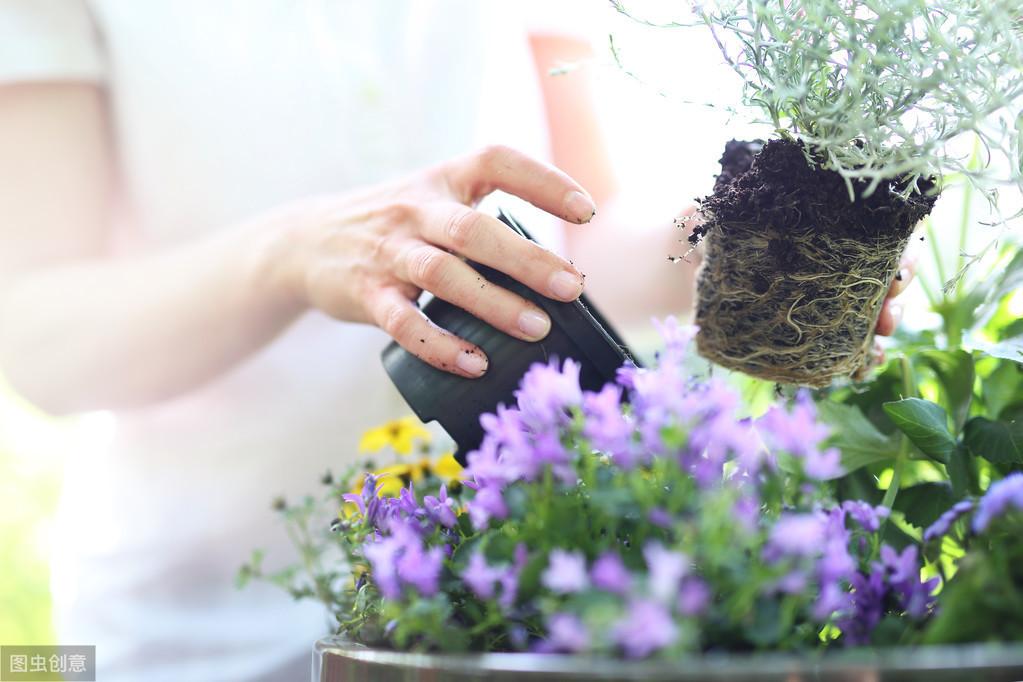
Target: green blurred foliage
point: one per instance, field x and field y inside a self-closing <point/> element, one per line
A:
<point x="29" y="485"/>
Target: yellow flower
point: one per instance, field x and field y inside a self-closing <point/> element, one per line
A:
<point x="400" y="435"/>
<point x="447" y="468"/>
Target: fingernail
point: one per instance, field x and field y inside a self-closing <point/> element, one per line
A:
<point x="579" y="207"/>
<point x="472" y="362"/>
<point x="566" y="286"/>
<point x="534" y="324"/>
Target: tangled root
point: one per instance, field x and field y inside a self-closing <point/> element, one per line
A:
<point x="772" y="325"/>
<point x="794" y="274"/>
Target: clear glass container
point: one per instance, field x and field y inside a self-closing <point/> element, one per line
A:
<point x="336" y="660"/>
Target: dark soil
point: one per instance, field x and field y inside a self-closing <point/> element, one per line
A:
<point x="795" y="272"/>
<point x="736" y="160"/>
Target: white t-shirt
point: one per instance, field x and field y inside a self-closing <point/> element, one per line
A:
<point x="223" y="109"/>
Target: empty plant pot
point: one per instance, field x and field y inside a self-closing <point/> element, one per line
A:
<point x="578" y="331"/>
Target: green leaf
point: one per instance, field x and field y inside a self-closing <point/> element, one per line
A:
<point x="858" y="440"/>
<point x="1009" y="279"/>
<point x="955" y="371"/>
<point x="1002" y="387"/>
<point x="926" y="424"/>
<point x="1014" y="328"/>
<point x="896" y="537"/>
<point x="923" y="503"/>
<point x="1007" y="349"/>
<point x="958" y="468"/>
<point x="999" y="442"/>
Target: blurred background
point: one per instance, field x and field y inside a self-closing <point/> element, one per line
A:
<point x="665" y="150"/>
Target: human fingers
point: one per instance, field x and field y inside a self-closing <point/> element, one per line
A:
<point x="888" y="320"/>
<point x="402" y="320"/>
<point x="498" y="167"/>
<point x="907" y="270"/>
<point x="453" y="280"/>
<point x="487" y="240"/>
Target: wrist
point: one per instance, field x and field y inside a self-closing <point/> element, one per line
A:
<point x="272" y="271"/>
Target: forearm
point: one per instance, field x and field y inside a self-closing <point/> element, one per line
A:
<point x="629" y="273"/>
<point x="131" y="331"/>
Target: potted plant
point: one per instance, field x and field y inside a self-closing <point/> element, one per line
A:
<point x="831" y="538"/>
<point x="870" y="103"/>
<point x="668" y="526"/>
<point x="654" y="527"/>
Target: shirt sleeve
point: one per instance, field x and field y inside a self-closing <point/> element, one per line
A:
<point x="48" y="40"/>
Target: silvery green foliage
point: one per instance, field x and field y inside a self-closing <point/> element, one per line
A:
<point x="880" y="88"/>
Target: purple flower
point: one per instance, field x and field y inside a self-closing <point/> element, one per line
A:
<point x="546" y="393"/>
<point x="407" y="503"/>
<point x="509" y="579"/>
<point x="441" y="509"/>
<point x="518" y="635"/>
<point x="868" y="593"/>
<point x="382" y="556"/>
<point x="941" y="527"/>
<point x="368" y="500"/>
<point x="666" y="568"/>
<point x="483" y="578"/>
<point x="800" y="535"/>
<point x="420" y="569"/>
<point x="1001" y="496"/>
<point x="608" y="573"/>
<point x="399" y="558"/>
<point x="796" y="429"/>
<point x="565" y="633"/>
<point x="868" y="517"/>
<point x="798" y="432"/>
<point x="487" y="503"/>
<point x="677" y="337"/>
<point x="607" y="429"/>
<point x="693" y="596"/>
<point x="746" y="511"/>
<point x="717" y="436"/>
<point x="895" y="576"/>
<point x="793" y="582"/>
<point x="505" y="426"/>
<point x="835" y="561"/>
<point x="833" y="597"/>
<point x="904" y="577"/>
<point x="835" y="567"/>
<point x="626" y="375"/>
<point x="484" y="464"/>
<point x="480" y="576"/>
<point x="548" y="449"/>
<point x="823" y="466"/>
<point x="660" y="517"/>
<point x="647" y="627"/>
<point x="566" y="572"/>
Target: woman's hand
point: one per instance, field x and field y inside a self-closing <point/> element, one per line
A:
<point x="367" y="257"/>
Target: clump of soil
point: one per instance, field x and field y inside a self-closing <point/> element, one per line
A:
<point x="794" y="273"/>
<point x="736" y="160"/>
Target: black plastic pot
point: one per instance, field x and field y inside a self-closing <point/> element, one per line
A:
<point x="578" y="331"/>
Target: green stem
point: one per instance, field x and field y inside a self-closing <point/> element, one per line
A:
<point x="939" y="262"/>
<point x="932" y="298"/>
<point x="908" y="391"/>
<point x="893" y="487"/>
<point x="964" y="216"/>
<point x="310" y="558"/>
